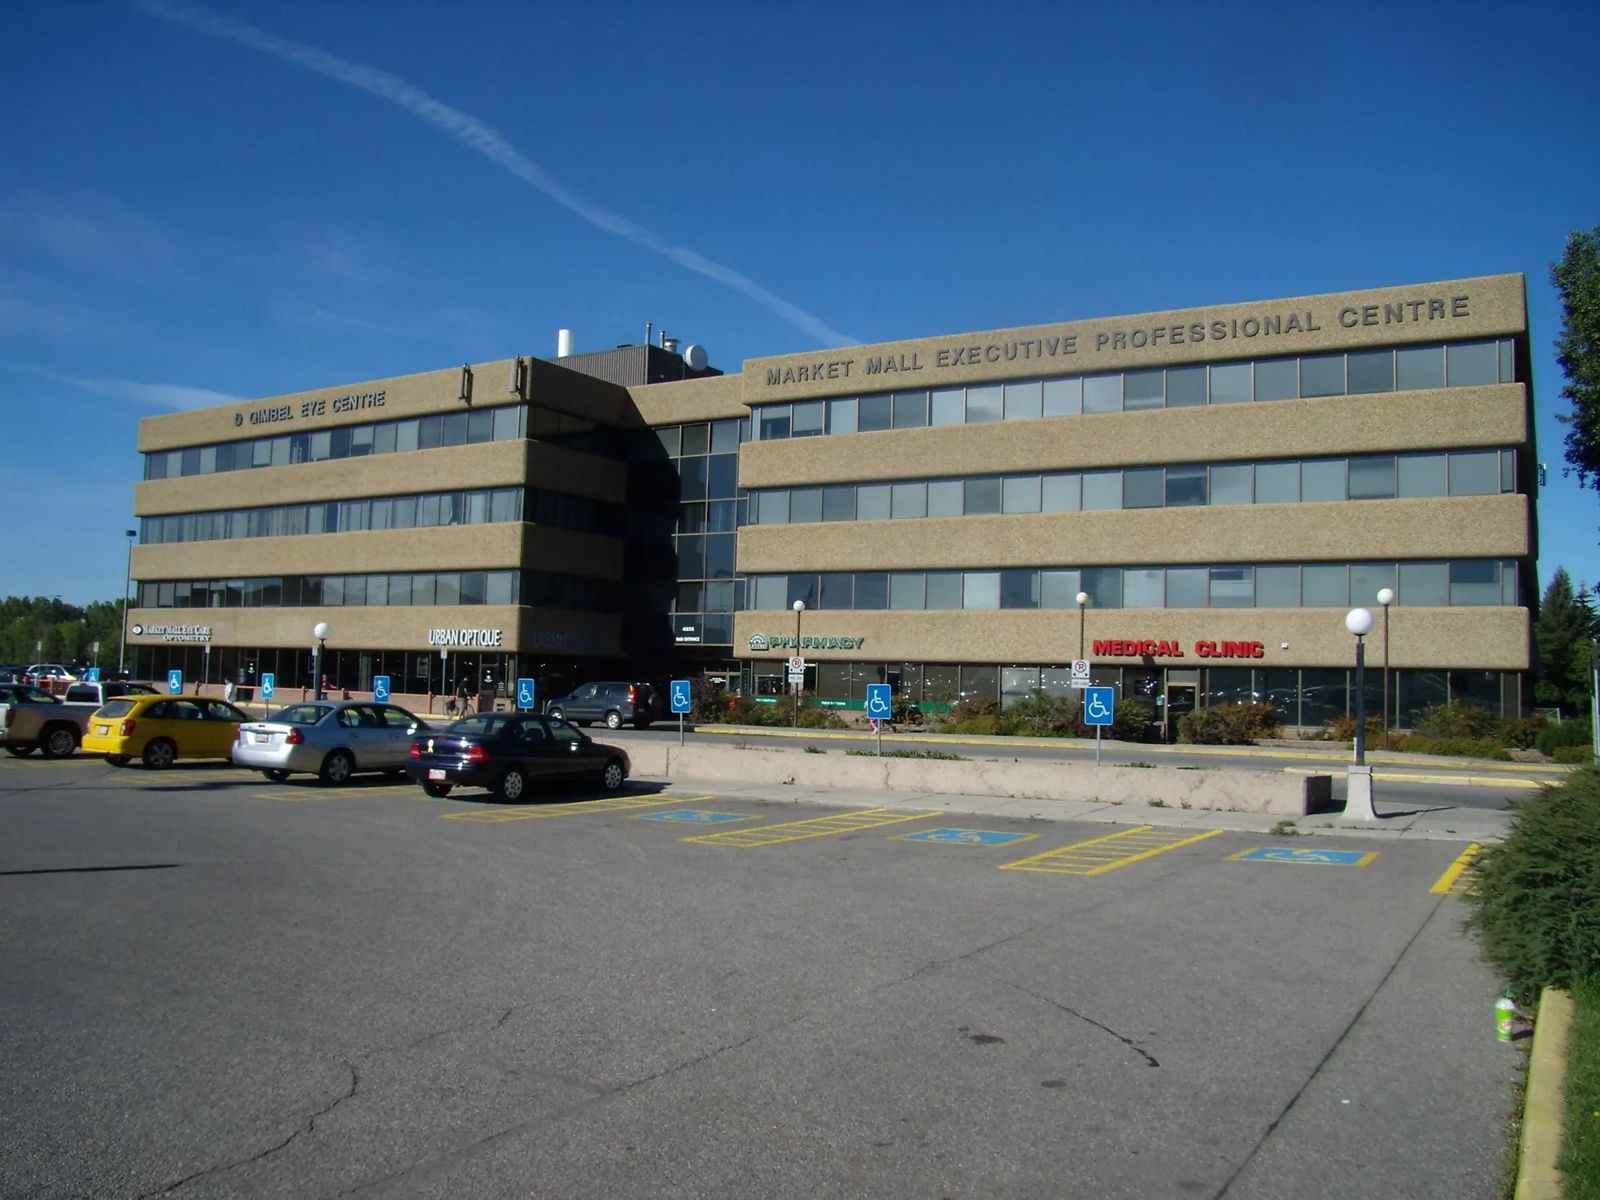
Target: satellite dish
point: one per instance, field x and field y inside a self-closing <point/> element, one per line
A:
<point x="695" y="357"/>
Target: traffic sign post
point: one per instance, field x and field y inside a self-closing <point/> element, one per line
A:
<point x="525" y="693"/>
<point x="681" y="695"/>
<point x="380" y="688"/>
<point x="1099" y="710"/>
<point x="880" y="706"/>
<point x="269" y="684"/>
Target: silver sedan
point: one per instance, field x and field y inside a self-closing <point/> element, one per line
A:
<point x="331" y="740"/>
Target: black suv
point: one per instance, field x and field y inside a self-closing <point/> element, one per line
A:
<point x="617" y="704"/>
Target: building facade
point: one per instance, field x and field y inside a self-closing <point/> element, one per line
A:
<point x="1220" y="484"/>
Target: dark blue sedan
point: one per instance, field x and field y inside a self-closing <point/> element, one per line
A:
<point x="506" y="752"/>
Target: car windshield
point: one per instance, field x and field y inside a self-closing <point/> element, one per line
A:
<point x="116" y="708"/>
<point x="300" y="714"/>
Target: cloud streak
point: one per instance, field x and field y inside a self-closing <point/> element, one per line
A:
<point x="173" y="396"/>
<point x="475" y="135"/>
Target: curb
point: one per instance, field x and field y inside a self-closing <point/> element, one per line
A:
<point x="1538" y="1177"/>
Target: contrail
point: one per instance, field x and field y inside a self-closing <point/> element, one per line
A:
<point x="475" y="135"/>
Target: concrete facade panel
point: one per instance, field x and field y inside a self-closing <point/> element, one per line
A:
<point x="715" y="398"/>
<point x="1449" y="418"/>
<point x="1346" y="531"/>
<point x="1479" y="638"/>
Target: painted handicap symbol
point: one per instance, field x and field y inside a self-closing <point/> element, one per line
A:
<point x="1098" y="709"/>
<point x="879" y="702"/>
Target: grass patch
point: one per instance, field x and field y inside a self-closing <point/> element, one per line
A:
<point x="1580" y="1148"/>
<point x="909" y="754"/>
<point x="815" y="750"/>
<point x="1284" y="828"/>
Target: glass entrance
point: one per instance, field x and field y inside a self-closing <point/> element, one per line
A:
<point x="1180" y="700"/>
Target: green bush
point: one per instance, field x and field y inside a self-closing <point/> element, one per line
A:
<point x="1040" y="715"/>
<point x="1455" y="721"/>
<point x="1563" y="733"/>
<point x="1134" y="721"/>
<point x="1229" y="724"/>
<point x="1533" y="895"/>
<point x="1573" y="754"/>
<point x="979" y="726"/>
<point x="1343" y="729"/>
<point x="1458" y="747"/>
<point x="1519" y="733"/>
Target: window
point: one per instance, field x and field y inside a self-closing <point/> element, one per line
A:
<point x="1023" y="401"/>
<point x="1367" y="580"/>
<point x="1475" y="582"/>
<point x="1475" y="473"/>
<point x="945" y="497"/>
<point x="1060" y="493"/>
<point x="1471" y="363"/>
<point x="982" y="496"/>
<point x="872" y="590"/>
<point x="1372" y="478"/>
<point x="875" y="413"/>
<point x="1144" y="487"/>
<point x="772" y="507"/>
<point x="981" y="589"/>
<point x="1422" y="475"/>
<point x="1144" y="587"/>
<point x="1231" y="484"/>
<point x="805" y="505"/>
<point x="839" y="502"/>
<point x="908" y="500"/>
<point x="1232" y="587"/>
<point x="1322" y="375"/>
<point x="1188" y="587"/>
<point x="910" y="410"/>
<point x="1063" y="397"/>
<point x="1102" y="490"/>
<point x="947" y="407"/>
<point x="871" y="500"/>
<point x="1370" y="371"/>
<point x="1058" y="589"/>
<point x="1419" y="367"/>
<point x="1278" y="379"/>
<point x="907" y="590"/>
<point x="774" y="421"/>
<point x="1143" y="390"/>
<point x="1186" y="386"/>
<point x="842" y="415"/>
<point x="837" y="590"/>
<point x="1185" y="486"/>
<point x="1277" y="587"/>
<point x="984" y="404"/>
<point x="1277" y="483"/>
<point x="944" y="590"/>
<point x="1020" y="494"/>
<point x="808" y="419"/>
<point x="1102" y="393"/>
<point x="1324" y="585"/>
<point x="1322" y="479"/>
<point x="1230" y="383"/>
<point x="1019" y="589"/>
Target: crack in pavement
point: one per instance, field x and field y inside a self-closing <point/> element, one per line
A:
<point x="1149" y="1059"/>
<point x="305" y="1127"/>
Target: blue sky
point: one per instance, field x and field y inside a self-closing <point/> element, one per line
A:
<point x="243" y="200"/>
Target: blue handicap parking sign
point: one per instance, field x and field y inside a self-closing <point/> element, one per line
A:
<point x="680" y="695"/>
<point x="92" y="675"/>
<point x="880" y="701"/>
<point x="380" y="688"/>
<point x="966" y="837"/>
<point x="695" y="816"/>
<point x="1316" y="858"/>
<point x="525" y="693"/>
<point x="174" y="682"/>
<point x="1099" y="704"/>
<point x="269" y="684"/>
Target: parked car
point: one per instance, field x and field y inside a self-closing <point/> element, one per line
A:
<point x="98" y="693"/>
<point x="48" y="675"/>
<point x="617" y="704"/>
<point x="162" y="729"/>
<point x="11" y="672"/>
<point x="506" y="752"/>
<point x="32" y="719"/>
<point x="329" y="739"/>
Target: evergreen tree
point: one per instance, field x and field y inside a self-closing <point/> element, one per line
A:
<point x="1577" y="278"/>
<point x="1563" y="637"/>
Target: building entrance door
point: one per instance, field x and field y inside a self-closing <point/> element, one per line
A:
<point x="1180" y="700"/>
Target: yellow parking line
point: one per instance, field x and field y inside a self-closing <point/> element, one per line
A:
<point x="1099" y="855"/>
<point x="815" y="827"/>
<point x="1454" y="881"/>
<point x="497" y="816"/>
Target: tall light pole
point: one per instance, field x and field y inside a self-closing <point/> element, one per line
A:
<point x="321" y="631"/>
<point x="1385" y="598"/>
<point x="799" y="607"/>
<point x="127" y="586"/>
<point x="1083" y="603"/>
<point x="1359" y="622"/>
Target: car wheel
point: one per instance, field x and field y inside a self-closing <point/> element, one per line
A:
<point x="613" y="720"/>
<point x="512" y="785"/>
<point x="19" y="751"/>
<point x="437" y="790"/>
<point x="555" y="714"/>
<point x="337" y="767"/>
<point x="160" y="754"/>
<point x="612" y="775"/>
<point x="58" y="741"/>
<point x="276" y="775"/>
<point x="117" y="760"/>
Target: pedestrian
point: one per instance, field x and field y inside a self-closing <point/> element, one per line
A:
<point x="227" y="691"/>
<point x="463" y="697"/>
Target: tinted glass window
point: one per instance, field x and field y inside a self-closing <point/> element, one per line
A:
<point x="1143" y="487"/>
<point x="1418" y="367"/>
<point x="1475" y="582"/>
<point x="872" y="589"/>
<point x="944" y="590"/>
<point x="1325" y="585"/>
<point x="1424" y="583"/>
<point x="981" y="589"/>
<point x="1277" y="587"/>
<point x="839" y="502"/>
<point x="1231" y="587"/>
<point x="1020" y="494"/>
<point x="1475" y="473"/>
<point x="948" y="407"/>
<point x="1102" y="393"/>
<point x="1370" y="371"/>
<point x="842" y="415"/>
<point x="805" y="505"/>
<point x="1186" y="386"/>
<point x="1421" y="475"/>
<point x="909" y="500"/>
<point x="1060" y="493"/>
<point x="1277" y="483"/>
<point x="945" y="497"/>
<point x="910" y="410"/>
<point x="1063" y="397"/>
<point x="1143" y="390"/>
<point x="807" y="419"/>
<point x="1023" y="401"/>
<point x="1372" y="478"/>
<point x="1019" y="589"/>
<point x="1144" y="587"/>
<point x="874" y="413"/>
<point x="984" y="404"/>
<point x="1472" y="363"/>
<point x="1188" y="587"/>
<point x="907" y="590"/>
<point x="982" y="496"/>
<point x="1102" y="489"/>
<point x="1322" y="375"/>
<point x="1230" y="383"/>
<point x="1322" y="479"/>
<point x="872" y="502"/>
<point x="1231" y="484"/>
<point x="1185" y="486"/>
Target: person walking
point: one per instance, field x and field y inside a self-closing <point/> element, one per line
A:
<point x="463" y="698"/>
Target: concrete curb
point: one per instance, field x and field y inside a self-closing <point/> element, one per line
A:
<point x="1543" y="1116"/>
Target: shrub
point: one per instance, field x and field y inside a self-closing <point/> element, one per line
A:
<point x="814" y="718"/>
<point x="1532" y="899"/>
<point x="1459" y="747"/>
<point x="1040" y="715"/>
<point x="1343" y="729"/>
<point x="1562" y="733"/>
<point x="1573" y="754"/>
<point x="1228" y="724"/>
<point x="1134" y="721"/>
<point x="1455" y="721"/>
<point x="1518" y="732"/>
<point x="975" y="715"/>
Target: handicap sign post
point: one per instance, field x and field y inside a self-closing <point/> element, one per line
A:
<point x="174" y="681"/>
<point x="1099" y="710"/>
<point x="880" y="705"/>
<point x="525" y="693"/>
<point x="92" y="675"/>
<point x="269" y="684"/>
<point x="680" y="693"/>
<point x="380" y="688"/>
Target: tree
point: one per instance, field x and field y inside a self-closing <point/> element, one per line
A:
<point x="1577" y="278"/>
<point x="1563" y="637"/>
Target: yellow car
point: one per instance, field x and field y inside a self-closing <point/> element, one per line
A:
<point x="162" y="729"/>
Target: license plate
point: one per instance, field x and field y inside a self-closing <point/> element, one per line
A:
<point x="260" y="737"/>
<point x="435" y="773"/>
<point x="102" y="730"/>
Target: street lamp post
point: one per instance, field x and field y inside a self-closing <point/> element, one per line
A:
<point x="799" y="607"/>
<point x="1359" y="622"/>
<point x="127" y="586"/>
<point x="1385" y="598"/>
<point x="1083" y="603"/>
<point x="321" y="631"/>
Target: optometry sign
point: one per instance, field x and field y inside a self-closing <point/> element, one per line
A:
<point x="174" y="633"/>
<point x="466" y="637"/>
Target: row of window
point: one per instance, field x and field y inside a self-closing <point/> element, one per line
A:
<point x="541" y="589"/>
<point x="477" y="507"/>
<point x="1369" y="477"/>
<point x="1357" y="372"/>
<point x="461" y="428"/>
<point x="1306" y="585"/>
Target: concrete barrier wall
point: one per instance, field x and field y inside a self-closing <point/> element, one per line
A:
<point x="1223" y="789"/>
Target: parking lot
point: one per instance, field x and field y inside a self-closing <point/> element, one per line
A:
<point x="219" y="986"/>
